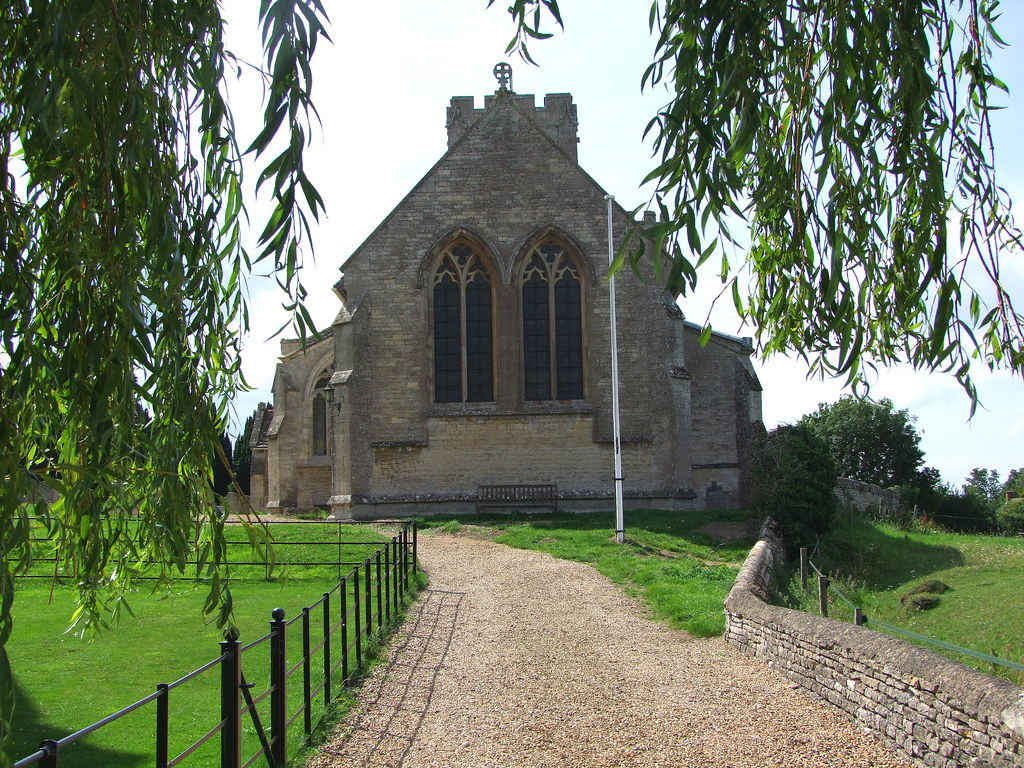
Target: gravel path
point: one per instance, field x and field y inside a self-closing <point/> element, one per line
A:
<point x="514" y="658"/>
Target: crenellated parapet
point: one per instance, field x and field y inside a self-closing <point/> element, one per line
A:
<point x="557" y="118"/>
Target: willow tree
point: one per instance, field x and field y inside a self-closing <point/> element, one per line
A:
<point x="122" y="277"/>
<point x="835" y="162"/>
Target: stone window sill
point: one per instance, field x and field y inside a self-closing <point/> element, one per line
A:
<point x="316" y="461"/>
<point x="532" y="408"/>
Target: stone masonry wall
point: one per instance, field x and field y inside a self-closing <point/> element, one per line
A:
<point x="936" y="710"/>
<point x="509" y="182"/>
<point x="504" y="187"/>
<point x="465" y="451"/>
<point x="865" y="497"/>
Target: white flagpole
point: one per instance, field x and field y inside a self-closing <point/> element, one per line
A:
<point x="620" y="529"/>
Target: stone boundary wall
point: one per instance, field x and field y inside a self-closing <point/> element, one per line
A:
<point x="865" y="497"/>
<point x="929" y="707"/>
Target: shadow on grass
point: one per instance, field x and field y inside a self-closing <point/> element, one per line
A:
<point x="882" y="558"/>
<point x="29" y="729"/>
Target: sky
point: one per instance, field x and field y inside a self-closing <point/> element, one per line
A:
<point x="383" y="87"/>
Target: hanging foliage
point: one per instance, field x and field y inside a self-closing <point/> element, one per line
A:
<point x="835" y="162"/>
<point x="122" y="279"/>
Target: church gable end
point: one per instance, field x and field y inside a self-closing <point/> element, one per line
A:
<point x="480" y="353"/>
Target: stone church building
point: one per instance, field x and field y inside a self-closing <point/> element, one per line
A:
<point x="472" y="348"/>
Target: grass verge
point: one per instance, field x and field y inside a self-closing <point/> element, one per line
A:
<point x="374" y="655"/>
<point x="672" y="560"/>
<point x="64" y="683"/>
<point x="962" y="589"/>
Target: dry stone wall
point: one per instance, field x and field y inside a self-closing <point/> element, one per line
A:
<point x="936" y="710"/>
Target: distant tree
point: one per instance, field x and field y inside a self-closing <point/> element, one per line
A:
<point x="222" y="467"/>
<point x="242" y="457"/>
<point x="1010" y="517"/>
<point x="964" y="509"/>
<point x="869" y="441"/>
<point x="921" y="490"/>
<point x="984" y="485"/>
<point x="961" y="512"/>
<point x="928" y="479"/>
<point x="793" y="481"/>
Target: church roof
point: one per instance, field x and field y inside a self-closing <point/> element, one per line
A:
<point x="743" y="344"/>
<point x="261" y="426"/>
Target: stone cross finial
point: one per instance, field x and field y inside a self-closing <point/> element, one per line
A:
<point x="503" y="72"/>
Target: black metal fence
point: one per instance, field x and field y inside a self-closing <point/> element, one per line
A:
<point x="366" y="599"/>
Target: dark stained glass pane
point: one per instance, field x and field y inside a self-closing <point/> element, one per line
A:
<point x="568" y="338"/>
<point x="447" y="342"/>
<point x="536" y="339"/>
<point x="479" y="357"/>
<point x="319" y="425"/>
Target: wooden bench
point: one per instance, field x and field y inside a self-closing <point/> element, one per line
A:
<point x="517" y="496"/>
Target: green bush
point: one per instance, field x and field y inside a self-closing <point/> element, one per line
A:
<point x="1010" y="517"/>
<point x="961" y="513"/>
<point x="794" y="480"/>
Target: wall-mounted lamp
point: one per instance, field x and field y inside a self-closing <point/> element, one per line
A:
<point x="329" y="398"/>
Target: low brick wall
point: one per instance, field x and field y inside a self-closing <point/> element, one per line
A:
<point x="937" y="710"/>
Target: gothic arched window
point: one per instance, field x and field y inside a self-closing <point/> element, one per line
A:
<point x="320" y="417"/>
<point x="552" y="325"/>
<point x="463" y="333"/>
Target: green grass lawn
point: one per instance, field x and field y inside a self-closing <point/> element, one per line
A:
<point x="679" y="565"/>
<point x="65" y="682"/>
<point x="973" y="583"/>
<point x="681" y="572"/>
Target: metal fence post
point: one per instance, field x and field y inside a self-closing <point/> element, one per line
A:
<point x="278" y="696"/>
<point x="395" y="578"/>
<point x="387" y="581"/>
<point x="162" y="716"/>
<point x="231" y="702"/>
<point x="306" y="683"/>
<point x="369" y="600"/>
<point x="415" y="544"/>
<point x="327" y="649"/>
<point x="50" y="748"/>
<point x="344" y="630"/>
<point x="405" y="560"/>
<point x="355" y="615"/>
<point x="380" y="596"/>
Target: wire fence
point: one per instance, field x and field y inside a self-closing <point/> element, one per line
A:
<point x="825" y="586"/>
<point x="307" y="548"/>
<point x="334" y="635"/>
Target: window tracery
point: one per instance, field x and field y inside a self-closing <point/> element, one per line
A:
<point x="552" y="325"/>
<point x="320" y="417"/>
<point x="463" y="328"/>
